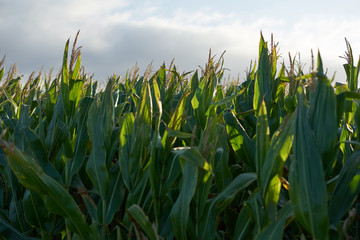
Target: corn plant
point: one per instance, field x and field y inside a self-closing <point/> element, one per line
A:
<point x="180" y="156"/>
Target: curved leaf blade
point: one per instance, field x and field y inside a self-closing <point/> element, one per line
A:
<point x="307" y="180"/>
<point x="54" y="195"/>
<point x="140" y="219"/>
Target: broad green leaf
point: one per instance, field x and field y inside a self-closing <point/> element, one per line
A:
<point x="263" y="81"/>
<point x="107" y="117"/>
<point x="82" y="138"/>
<point x="276" y="229"/>
<point x="347" y="189"/>
<point x="262" y="141"/>
<point x="142" y="221"/>
<point x="223" y="176"/>
<point x="115" y="195"/>
<point x="240" y="141"/>
<point x="323" y="122"/>
<point x="221" y="201"/>
<point x="39" y="153"/>
<point x="156" y="165"/>
<point x="55" y="197"/>
<point x="75" y="74"/>
<point x="136" y="193"/>
<point x="174" y="124"/>
<point x="64" y="85"/>
<point x="35" y="212"/>
<point x="141" y="135"/>
<point x="179" y="134"/>
<point x="280" y="147"/>
<point x="96" y="165"/>
<point x="320" y="69"/>
<point x="6" y="222"/>
<point x="13" y="103"/>
<point x="75" y="93"/>
<point x="126" y="128"/>
<point x="256" y="205"/>
<point x="194" y="156"/>
<point x="180" y="212"/>
<point x="307" y="180"/>
<point x="243" y="223"/>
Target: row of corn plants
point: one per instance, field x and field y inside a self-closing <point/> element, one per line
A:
<point x="181" y="156"/>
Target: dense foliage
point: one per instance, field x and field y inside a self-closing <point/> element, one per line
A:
<point x="182" y="156"/>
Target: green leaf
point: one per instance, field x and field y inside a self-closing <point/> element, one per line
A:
<point x="82" y="138"/>
<point x="280" y="147"/>
<point x="307" y="180"/>
<point x="263" y="81"/>
<point x="142" y="221"/>
<point x="262" y="140"/>
<point x="54" y="195"/>
<point x="258" y="212"/>
<point x="221" y="201"/>
<point x="223" y="176"/>
<point x="39" y="152"/>
<point x="179" y="134"/>
<point x="115" y="195"/>
<point x="194" y="156"/>
<point x="96" y="165"/>
<point x="126" y="124"/>
<point x="107" y="115"/>
<point x="75" y="74"/>
<point x="6" y="222"/>
<point x="75" y="93"/>
<point x="323" y="122"/>
<point x="347" y="189"/>
<point x="180" y="212"/>
<point x="35" y="212"/>
<point x="64" y="86"/>
<point x="240" y="141"/>
<point x="243" y="223"/>
<point x="13" y="103"/>
<point x="174" y="124"/>
<point x="276" y="229"/>
<point x="141" y="135"/>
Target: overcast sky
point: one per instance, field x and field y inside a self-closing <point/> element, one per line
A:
<point x="115" y="34"/>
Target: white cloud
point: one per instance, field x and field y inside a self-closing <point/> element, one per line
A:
<point x="116" y="34"/>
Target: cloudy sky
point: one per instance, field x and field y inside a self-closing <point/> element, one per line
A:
<point x="116" y="34"/>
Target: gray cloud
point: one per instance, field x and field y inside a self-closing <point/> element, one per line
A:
<point x="117" y="34"/>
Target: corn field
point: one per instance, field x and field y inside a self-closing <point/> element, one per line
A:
<point x="181" y="156"/>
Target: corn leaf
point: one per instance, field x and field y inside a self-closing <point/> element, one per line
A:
<point x="323" y="122"/>
<point x="82" y="138"/>
<point x="220" y="202"/>
<point x="256" y="205"/>
<point x="347" y="189"/>
<point x="194" y="156"/>
<point x="280" y="147"/>
<point x="240" y="141"/>
<point x="142" y="221"/>
<point x="309" y="200"/>
<point x="263" y="81"/>
<point x="126" y="127"/>
<point x="180" y="212"/>
<point x="96" y="165"/>
<point x="262" y="140"/>
<point x="39" y="152"/>
<point x="64" y="87"/>
<point x="35" y="212"/>
<point x="115" y="194"/>
<point x="276" y="229"/>
<point x="243" y="223"/>
<point x="55" y="197"/>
